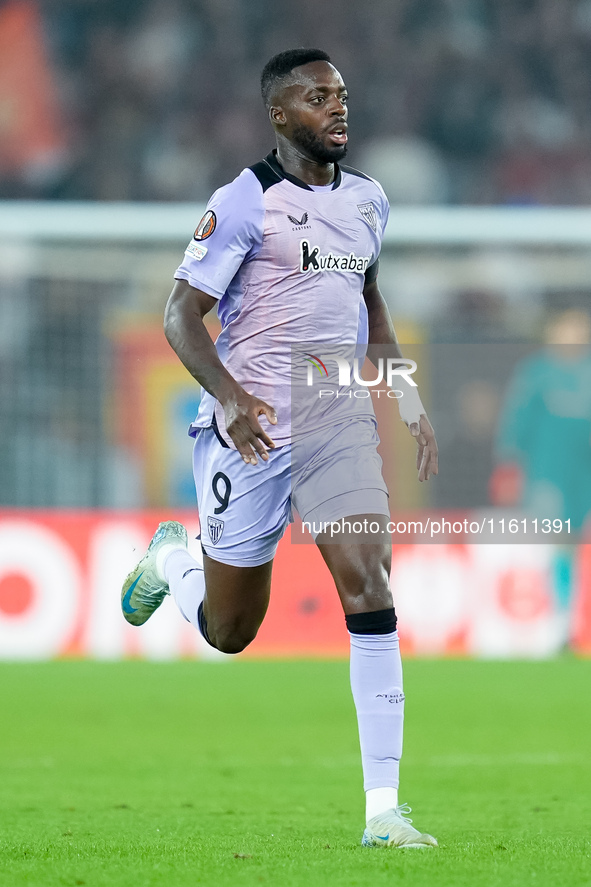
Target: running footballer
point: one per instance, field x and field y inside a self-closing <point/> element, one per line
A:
<point x="288" y="253"/>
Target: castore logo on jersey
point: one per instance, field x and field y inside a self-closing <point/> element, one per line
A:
<point x="298" y="223"/>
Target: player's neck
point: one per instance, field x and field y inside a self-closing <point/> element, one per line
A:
<point x="296" y="164"/>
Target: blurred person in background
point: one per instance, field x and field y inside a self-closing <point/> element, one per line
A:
<point x="544" y="433"/>
<point x="543" y="445"/>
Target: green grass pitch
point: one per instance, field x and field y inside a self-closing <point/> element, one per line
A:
<point x="247" y="773"/>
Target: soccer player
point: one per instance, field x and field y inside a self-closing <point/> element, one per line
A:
<point x="288" y="252"/>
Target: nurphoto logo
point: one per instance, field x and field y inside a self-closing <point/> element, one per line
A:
<point x="387" y="370"/>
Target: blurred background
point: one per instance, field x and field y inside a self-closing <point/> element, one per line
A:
<point x="118" y="120"/>
<point x="455" y="101"/>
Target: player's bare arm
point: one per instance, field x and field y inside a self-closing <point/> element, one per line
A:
<point x="188" y="337"/>
<point x="382" y="332"/>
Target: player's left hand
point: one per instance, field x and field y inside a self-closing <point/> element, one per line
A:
<point x="427" y="452"/>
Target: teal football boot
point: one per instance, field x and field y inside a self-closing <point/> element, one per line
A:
<point x="144" y="590"/>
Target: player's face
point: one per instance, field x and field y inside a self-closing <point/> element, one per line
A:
<point x="315" y="112"/>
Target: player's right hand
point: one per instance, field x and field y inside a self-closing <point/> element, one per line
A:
<point x="243" y="426"/>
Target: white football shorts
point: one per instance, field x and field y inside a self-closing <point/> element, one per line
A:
<point x="244" y="509"/>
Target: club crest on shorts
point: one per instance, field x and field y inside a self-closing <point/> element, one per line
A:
<point x="206" y="226"/>
<point x="215" y="528"/>
<point x="368" y="211"/>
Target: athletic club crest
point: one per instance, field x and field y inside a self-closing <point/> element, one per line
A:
<point x="368" y="211"/>
<point x="215" y="528"/>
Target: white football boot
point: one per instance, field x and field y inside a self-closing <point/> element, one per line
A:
<point x="393" y="828"/>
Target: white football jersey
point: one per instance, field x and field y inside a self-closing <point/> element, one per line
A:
<point x="288" y="263"/>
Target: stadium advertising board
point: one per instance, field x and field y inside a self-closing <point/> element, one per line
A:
<point x="61" y="574"/>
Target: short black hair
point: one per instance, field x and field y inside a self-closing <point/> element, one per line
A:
<point x="283" y="64"/>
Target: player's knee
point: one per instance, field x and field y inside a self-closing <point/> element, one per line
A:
<point x="231" y="644"/>
<point x="367" y="587"/>
<point x="232" y="638"/>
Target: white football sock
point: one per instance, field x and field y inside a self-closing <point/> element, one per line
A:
<point x="376" y="682"/>
<point x="186" y="581"/>
<point x="377" y="800"/>
<point x="162" y="554"/>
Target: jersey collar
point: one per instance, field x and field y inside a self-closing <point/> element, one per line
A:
<point x="273" y="162"/>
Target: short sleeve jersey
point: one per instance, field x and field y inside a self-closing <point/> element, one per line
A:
<point x="288" y="263"/>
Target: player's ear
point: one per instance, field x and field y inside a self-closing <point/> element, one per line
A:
<point x="277" y="115"/>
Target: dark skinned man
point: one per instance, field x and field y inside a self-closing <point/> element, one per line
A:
<point x="288" y="253"/>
